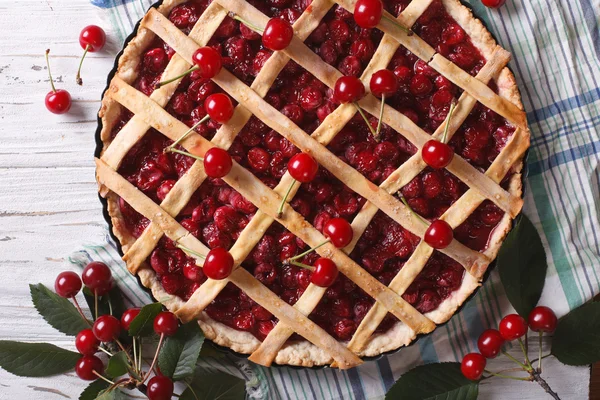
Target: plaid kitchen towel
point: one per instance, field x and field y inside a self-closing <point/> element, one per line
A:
<point x="556" y="59"/>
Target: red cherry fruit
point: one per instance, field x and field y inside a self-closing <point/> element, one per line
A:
<point x="217" y="162"/>
<point x="542" y="319"/>
<point x="218" y="264"/>
<point x="490" y="343"/>
<point x="339" y="231"/>
<point x="348" y="89"/>
<point x="57" y="101"/>
<point x="86" y="342"/>
<point x="160" y="388"/>
<point x="86" y="366"/>
<point x="513" y="327"/>
<point x="368" y="13"/>
<point x="67" y="284"/>
<point x="493" y="3"/>
<point x="439" y="234"/>
<point x="303" y="167"/>
<point x="437" y="154"/>
<point x="106" y="328"/>
<point x="97" y="277"/>
<point x="472" y="366"/>
<point x="278" y="34"/>
<point x="166" y="323"/>
<point x="325" y="273"/>
<point x="92" y="39"/>
<point x="384" y="83"/>
<point x="208" y="61"/>
<point x="128" y="317"/>
<point x="219" y="107"/>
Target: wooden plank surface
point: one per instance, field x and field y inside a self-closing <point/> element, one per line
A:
<point x="48" y="200"/>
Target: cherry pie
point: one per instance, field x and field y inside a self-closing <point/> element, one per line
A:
<point x="448" y="84"/>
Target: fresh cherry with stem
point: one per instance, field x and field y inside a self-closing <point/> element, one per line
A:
<point x="303" y="168"/>
<point x="383" y="83"/>
<point x="92" y="39"/>
<point x="89" y="368"/>
<point x="350" y="89"/>
<point x="324" y="272"/>
<point x="542" y="319"/>
<point x="128" y="317"/>
<point x="218" y="263"/>
<point x="473" y="366"/>
<point x="513" y="327"/>
<point x="439" y="233"/>
<point x="276" y="36"/>
<point x="86" y="342"/>
<point x="107" y="328"/>
<point x="490" y="343"/>
<point x="57" y="101"/>
<point x="67" y="284"/>
<point x="166" y="323"/>
<point x="368" y="14"/>
<point x="437" y="154"/>
<point x="160" y="388"/>
<point x="97" y="277"/>
<point x="207" y="61"/>
<point x="338" y="232"/>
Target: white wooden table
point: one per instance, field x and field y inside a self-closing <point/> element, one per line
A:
<point x="48" y="199"/>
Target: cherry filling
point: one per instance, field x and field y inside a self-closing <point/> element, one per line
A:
<point x="216" y="214"/>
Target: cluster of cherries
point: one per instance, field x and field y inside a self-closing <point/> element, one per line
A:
<point x="97" y="277"/>
<point x="92" y="39"/>
<point x="512" y="327"/>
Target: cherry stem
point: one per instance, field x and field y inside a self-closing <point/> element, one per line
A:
<point x="185" y="153"/>
<point x="124" y="351"/>
<point x="380" y="116"/>
<point x="398" y="25"/>
<point x="541" y="334"/>
<point x="80" y="310"/>
<point x="302" y="265"/>
<point x="248" y="24"/>
<point x="103" y="378"/>
<point x="139" y="366"/>
<point x="49" y="73"/>
<point x="413" y="211"/>
<point x="134" y="354"/>
<point x="78" y="76"/>
<point x="160" y="342"/>
<point x="515" y="360"/>
<point x="524" y="349"/>
<point x="516" y="378"/>
<point x="535" y="375"/>
<point x="186" y="134"/>
<point x="291" y="259"/>
<point x="96" y="303"/>
<point x="102" y="349"/>
<point x="189" y="71"/>
<point x="450" y="112"/>
<point x="537" y="359"/>
<point x="365" y="118"/>
<point x="284" y="200"/>
<point x="190" y="251"/>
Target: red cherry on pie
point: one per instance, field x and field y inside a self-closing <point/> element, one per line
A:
<point x="325" y="273"/>
<point x="57" y="101"/>
<point x="166" y="323"/>
<point x="493" y="3"/>
<point x="92" y="39"/>
<point x="513" y="327"/>
<point x="348" y="89"/>
<point x="490" y="343"/>
<point x="473" y="365"/>
<point x="86" y="343"/>
<point x="278" y="34"/>
<point x="218" y="264"/>
<point x="436" y="154"/>
<point x="439" y="234"/>
<point x="339" y="231"/>
<point x="217" y="162"/>
<point x="384" y="83"/>
<point x="303" y="167"/>
<point x="87" y="365"/>
<point x="219" y="107"/>
<point x="542" y="319"/>
<point x="67" y="284"/>
<point x="368" y="13"/>
<point x="208" y="61"/>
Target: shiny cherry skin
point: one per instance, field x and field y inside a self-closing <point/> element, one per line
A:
<point x="86" y="366"/>
<point x="166" y="323"/>
<point x="472" y="366"/>
<point x="67" y="284"/>
<point x="303" y="167"/>
<point x="325" y="273"/>
<point x="439" y="234"/>
<point x="97" y="277"/>
<point x="219" y="107"/>
<point x="93" y="38"/>
<point x="348" y="89"/>
<point x="58" y="101"/>
<point x="490" y="343"/>
<point x="128" y="317"/>
<point x="217" y="162"/>
<point x="106" y="328"/>
<point x="278" y="34"/>
<point x="384" y="83"/>
<point x="493" y="3"/>
<point x="160" y="388"/>
<point x="208" y="61"/>
<point x="542" y="319"/>
<point x="437" y="154"/>
<point x="339" y="231"/>
<point x="513" y="327"/>
<point x="218" y="264"/>
<point x="368" y="13"/>
<point x="86" y="342"/>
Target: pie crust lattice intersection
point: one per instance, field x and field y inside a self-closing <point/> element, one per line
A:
<point x="149" y="113"/>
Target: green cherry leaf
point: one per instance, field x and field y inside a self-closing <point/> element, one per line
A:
<point x="59" y="312"/>
<point x="441" y="381"/>
<point x="35" y="359"/>
<point x="576" y="340"/>
<point x="114" y="394"/>
<point x="142" y="324"/>
<point x="93" y="390"/>
<point x="117" y="365"/>
<point x="522" y="266"/>
<point x="179" y="354"/>
<point x="113" y="299"/>
<point x="215" y="385"/>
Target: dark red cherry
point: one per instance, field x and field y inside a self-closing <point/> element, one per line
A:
<point x="166" y="323"/>
<point x="97" y="277"/>
<point x="86" y="342"/>
<point x="92" y="38"/>
<point x="472" y="366"/>
<point x="106" y="328"/>
<point x="513" y="327"/>
<point x="303" y="167"/>
<point x="368" y="13"/>
<point x="384" y="83"/>
<point x="160" y="388"/>
<point x="86" y="366"/>
<point x="437" y="154"/>
<point x="278" y="34"/>
<point x="439" y="234"/>
<point x="325" y="273"/>
<point x="128" y="317"/>
<point x="348" y="89"/>
<point x="542" y="319"/>
<point x="217" y="162"/>
<point x="490" y="343"/>
<point x="339" y="231"/>
<point x="57" y="101"/>
<point x="218" y="264"/>
<point x="219" y="107"/>
<point x="493" y="3"/>
<point x="67" y="284"/>
<point x="208" y="61"/>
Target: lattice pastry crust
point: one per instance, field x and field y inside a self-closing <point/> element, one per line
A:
<point x="319" y="348"/>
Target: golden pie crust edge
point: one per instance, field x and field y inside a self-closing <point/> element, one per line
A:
<point x="304" y="353"/>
